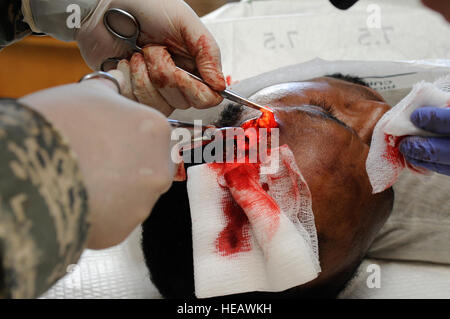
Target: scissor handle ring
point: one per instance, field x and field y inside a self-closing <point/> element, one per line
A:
<point x="102" y="75"/>
<point x="129" y="16"/>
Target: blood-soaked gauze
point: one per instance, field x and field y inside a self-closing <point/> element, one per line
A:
<point x="251" y="231"/>
<point x="385" y="162"/>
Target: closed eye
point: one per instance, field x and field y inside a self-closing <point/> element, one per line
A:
<point x="328" y="110"/>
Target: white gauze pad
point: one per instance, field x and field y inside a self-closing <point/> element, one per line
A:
<point x="385" y="162"/>
<point x="251" y="232"/>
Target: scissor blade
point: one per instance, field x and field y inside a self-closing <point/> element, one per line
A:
<point x="178" y="124"/>
<point x="229" y="95"/>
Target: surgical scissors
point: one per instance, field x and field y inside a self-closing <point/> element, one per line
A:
<point x="132" y="40"/>
<point x="207" y="130"/>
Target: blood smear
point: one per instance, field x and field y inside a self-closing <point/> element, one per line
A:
<point x="243" y="179"/>
<point x="234" y="237"/>
<point x="180" y="172"/>
<point x="229" y="80"/>
<point x="266" y="120"/>
<point x="392" y="153"/>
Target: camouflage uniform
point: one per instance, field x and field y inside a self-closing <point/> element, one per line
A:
<point x="43" y="201"/>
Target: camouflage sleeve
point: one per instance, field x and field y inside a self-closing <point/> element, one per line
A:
<point x="43" y="204"/>
<point x="12" y="27"/>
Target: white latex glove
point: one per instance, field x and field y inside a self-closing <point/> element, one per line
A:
<point x="163" y="86"/>
<point x="122" y="149"/>
<point x="176" y="35"/>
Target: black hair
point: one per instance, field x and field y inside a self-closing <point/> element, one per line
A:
<point x="167" y="244"/>
<point x="348" y="78"/>
<point x="229" y="116"/>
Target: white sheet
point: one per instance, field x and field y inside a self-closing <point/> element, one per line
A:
<point x="116" y="273"/>
<point x="120" y="273"/>
<point x="400" y="280"/>
<point x="259" y="36"/>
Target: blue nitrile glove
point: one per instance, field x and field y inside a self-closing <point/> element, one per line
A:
<point x="432" y="153"/>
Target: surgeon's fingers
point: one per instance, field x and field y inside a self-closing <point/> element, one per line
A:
<point x="176" y="85"/>
<point x="432" y="119"/>
<point x="199" y="95"/>
<point x="427" y="149"/>
<point x="162" y="70"/>
<point x="126" y="86"/>
<point x="435" y="167"/>
<point x="143" y="88"/>
<point x="204" y="48"/>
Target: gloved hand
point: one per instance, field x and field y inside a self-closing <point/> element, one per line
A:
<point x="177" y="36"/>
<point x="178" y="33"/>
<point x="432" y="153"/>
<point x="122" y="149"/>
<point x="162" y="87"/>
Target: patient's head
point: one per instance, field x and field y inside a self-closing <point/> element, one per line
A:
<point x="327" y="122"/>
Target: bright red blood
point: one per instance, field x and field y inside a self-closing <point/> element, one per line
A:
<point x="243" y="179"/>
<point x="392" y="153"/>
<point x="234" y="237"/>
<point x="180" y="172"/>
<point x="229" y="80"/>
<point x="249" y="194"/>
<point x="267" y="120"/>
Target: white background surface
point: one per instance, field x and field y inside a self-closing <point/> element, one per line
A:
<point x="260" y="36"/>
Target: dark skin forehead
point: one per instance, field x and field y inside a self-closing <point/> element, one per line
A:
<point x="332" y="158"/>
<point x="288" y="94"/>
<point x="356" y="105"/>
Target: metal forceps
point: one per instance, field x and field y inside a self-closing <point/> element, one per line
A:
<point x="132" y="41"/>
<point x="207" y="130"/>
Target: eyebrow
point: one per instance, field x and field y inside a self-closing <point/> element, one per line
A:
<point x="325" y="115"/>
<point x="326" y="111"/>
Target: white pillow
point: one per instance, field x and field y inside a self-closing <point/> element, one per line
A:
<point x="419" y="227"/>
<point x="398" y="280"/>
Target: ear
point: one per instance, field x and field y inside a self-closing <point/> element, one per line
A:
<point x="362" y="116"/>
